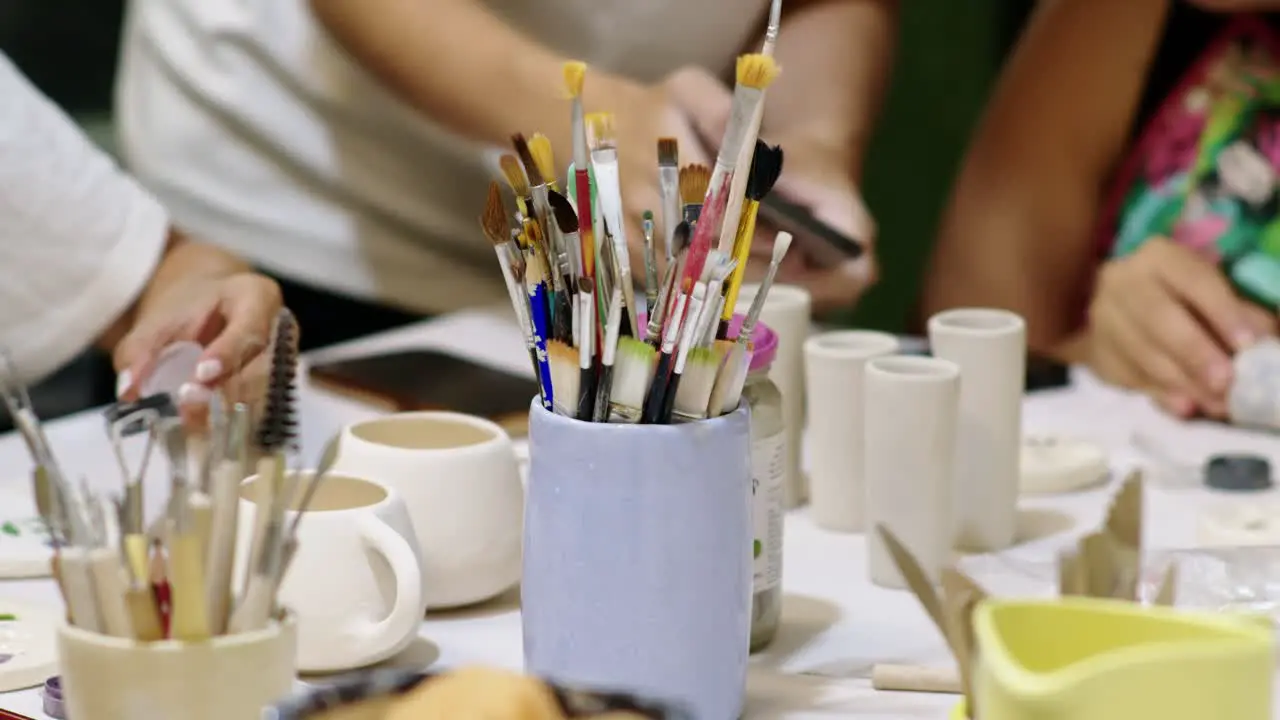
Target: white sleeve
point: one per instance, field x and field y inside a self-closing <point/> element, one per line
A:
<point x="79" y="239"/>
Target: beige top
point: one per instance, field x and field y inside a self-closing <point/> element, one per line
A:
<point x="262" y="135"/>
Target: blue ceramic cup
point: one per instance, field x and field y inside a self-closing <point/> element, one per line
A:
<point x="637" y="558"/>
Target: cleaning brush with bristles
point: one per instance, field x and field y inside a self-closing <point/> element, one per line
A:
<point x="277" y="430"/>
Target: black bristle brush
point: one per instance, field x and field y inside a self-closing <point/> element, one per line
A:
<point x="766" y="166"/>
<point x="278" y="429"/>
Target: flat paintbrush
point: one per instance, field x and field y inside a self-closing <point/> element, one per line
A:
<point x="604" y="159"/>
<point x="586" y="349"/>
<point x="650" y="265"/>
<point x="498" y="230"/>
<point x="669" y="186"/>
<point x="605" y="385"/>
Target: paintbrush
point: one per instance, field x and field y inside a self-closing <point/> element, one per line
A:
<point x="543" y="156"/>
<point x="766" y="166"/>
<point x="733" y="374"/>
<point x="536" y="286"/>
<point x="607" y="355"/>
<point x="669" y="186"/>
<point x="698" y="379"/>
<point x="738" y="184"/>
<point x="189" y="617"/>
<point x="650" y="264"/>
<point x="718" y="270"/>
<point x="633" y="369"/>
<point x="565" y="377"/>
<point x="516" y="180"/>
<point x="542" y="216"/>
<point x="586" y="349"/>
<point x="498" y="230"/>
<point x="686" y="343"/>
<point x="654" y="400"/>
<point x="666" y="296"/>
<point x="694" y="181"/>
<point x="574" y="75"/>
<point x="604" y="159"/>
<point x="567" y="221"/>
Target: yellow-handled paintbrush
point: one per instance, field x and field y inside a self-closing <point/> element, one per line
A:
<point x="766" y="166"/>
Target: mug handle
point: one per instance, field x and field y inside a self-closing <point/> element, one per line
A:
<point x="406" y="612"/>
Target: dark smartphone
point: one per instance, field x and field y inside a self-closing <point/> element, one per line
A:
<point x="412" y="380"/>
<point x="821" y="243"/>
<point x="1042" y="373"/>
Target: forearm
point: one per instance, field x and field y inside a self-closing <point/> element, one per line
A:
<point x="835" y="57"/>
<point x="183" y="262"/>
<point x="463" y="67"/>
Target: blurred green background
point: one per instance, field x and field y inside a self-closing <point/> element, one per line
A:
<point x="948" y="55"/>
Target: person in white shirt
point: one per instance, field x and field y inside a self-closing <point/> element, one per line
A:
<point x="87" y="257"/>
<point x="341" y="144"/>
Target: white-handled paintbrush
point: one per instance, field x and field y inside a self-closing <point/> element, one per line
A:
<point x="604" y="160"/>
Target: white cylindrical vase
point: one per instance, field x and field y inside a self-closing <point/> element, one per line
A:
<point x="788" y="312"/>
<point x="990" y="347"/>
<point x="910" y="434"/>
<point x="834" y="364"/>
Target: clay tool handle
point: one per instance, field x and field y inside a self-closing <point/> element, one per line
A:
<point x="221" y="555"/>
<point x="77" y="584"/>
<point x="254" y="609"/>
<point x="915" y="678"/>
<point x="200" y="507"/>
<point x="137" y="550"/>
<point x="189" y="617"/>
<point x="109" y="589"/>
<point x="55" y="568"/>
<point x="144" y="616"/>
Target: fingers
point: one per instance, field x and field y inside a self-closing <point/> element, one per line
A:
<point x="705" y="99"/>
<point x="135" y="355"/>
<point x="1203" y="287"/>
<point x="1123" y="355"/>
<point x="248" y="304"/>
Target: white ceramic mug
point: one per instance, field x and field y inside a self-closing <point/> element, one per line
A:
<point x="910" y="434"/>
<point x="460" y="479"/>
<point x="833" y="373"/>
<point x="231" y="677"/>
<point x="356" y="580"/>
<point x="788" y="312"/>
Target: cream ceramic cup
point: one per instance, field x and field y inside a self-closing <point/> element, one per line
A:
<point x="460" y="479"/>
<point x="232" y="677"/>
<point x="356" y="581"/>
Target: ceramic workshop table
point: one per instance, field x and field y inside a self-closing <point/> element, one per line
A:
<point x="835" y="623"/>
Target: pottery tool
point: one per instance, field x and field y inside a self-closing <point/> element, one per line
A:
<point x="274" y="437"/>
<point x="766" y="167"/>
<point x="733" y="375"/>
<point x="605" y="385"/>
<point x="189" y="615"/>
<point x="498" y="230"/>
<point x="225" y="497"/>
<point x="109" y="591"/>
<point x="650" y="265"/>
<point x="669" y="186"/>
<point x="915" y="678"/>
<point x="158" y="577"/>
<point x="290" y="544"/>
<point x="604" y="160"/>
<point x="738" y="183"/>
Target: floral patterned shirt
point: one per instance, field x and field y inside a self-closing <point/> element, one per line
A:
<point x="1204" y="170"/>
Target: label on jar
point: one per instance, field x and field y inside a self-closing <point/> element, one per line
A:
<point x="768" y="484"/>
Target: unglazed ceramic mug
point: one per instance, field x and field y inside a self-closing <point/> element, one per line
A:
<point x="460" y="479"/>
<point x="356" y="582"/>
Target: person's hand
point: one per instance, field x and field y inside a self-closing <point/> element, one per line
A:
<point x="1166" y="321"/>
<point x="231" y="316"/>
<point x="820" y="181"/>
<point x="643" y="116"/>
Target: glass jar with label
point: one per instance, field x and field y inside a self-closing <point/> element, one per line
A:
<point x="768" y="486"/>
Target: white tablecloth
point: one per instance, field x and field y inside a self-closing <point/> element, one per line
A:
<point x="836" y="625"/>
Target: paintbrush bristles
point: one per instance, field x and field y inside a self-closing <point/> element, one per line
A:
<point x="601" y="134"/>
<point x="566" y="216"/>
<point x="514" y="175"/>
<point x="668" y="152"/>
<point x="278" y="428"/>
<point x="543" y="157"/>
<point x="694" y="180"/>
<point x="565" y="376"/>
<point x="575" y="73"/>
<point x="494" y="220"/>
<point x="766" y="167"/>
<point x="526" y="159"/>
<point x="756" y="70"/>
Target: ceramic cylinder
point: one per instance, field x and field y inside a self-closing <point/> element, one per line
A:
<point x="834" y="364"/>
<point x="990" y="348"/>
<point x="637" y="558"/>
<point x="232" y="677"/>
<point x="910" y="434"/>
<point x="788" y="311"/>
